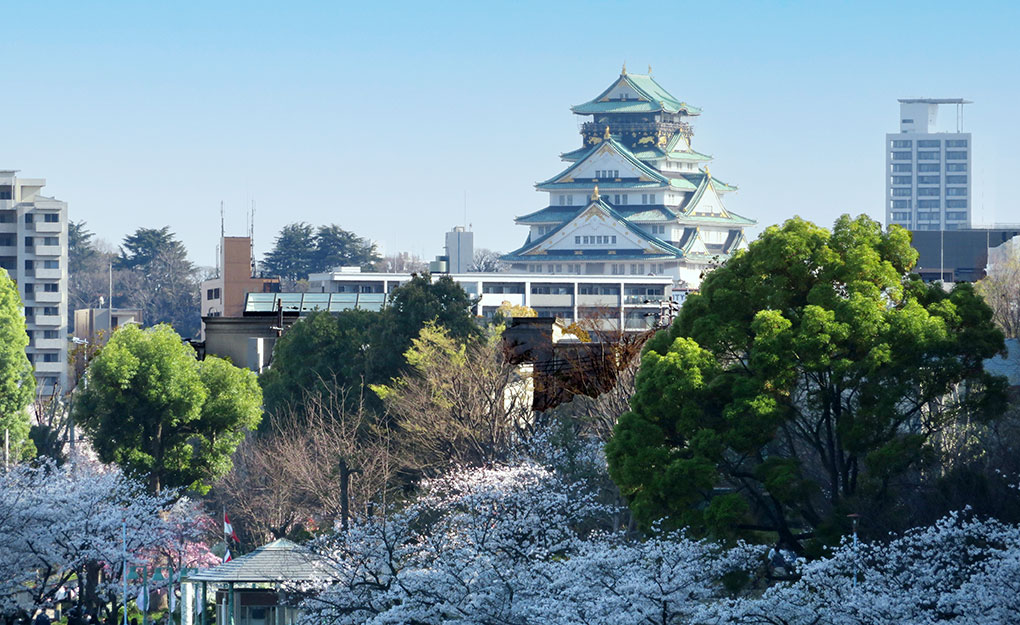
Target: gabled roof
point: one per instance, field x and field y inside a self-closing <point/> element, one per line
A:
<point x="616" y="146"/>
<point x="707" y="186"/>
<point x="278" y="561"/>
<point x="601" y="206"/>
<point x="651" y="97"/>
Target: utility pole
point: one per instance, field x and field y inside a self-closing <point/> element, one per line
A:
<point x="345" y="484"/>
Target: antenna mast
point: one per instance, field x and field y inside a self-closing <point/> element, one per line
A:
<point x="251" y="238"/>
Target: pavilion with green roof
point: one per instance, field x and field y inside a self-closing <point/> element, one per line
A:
<point x="635" y="198"/>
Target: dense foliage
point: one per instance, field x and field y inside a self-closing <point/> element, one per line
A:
<point x="300" y="250"/>
<point x="152" y="408"/>
<point x="151" y="272"/>
<point x="17" y="382"/>
<point x="355" y="348"/>
<point x="811" y="378"/>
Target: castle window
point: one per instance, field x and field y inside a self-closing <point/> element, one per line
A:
<point x="570" y="200"/>
<point x="623" y="199"/>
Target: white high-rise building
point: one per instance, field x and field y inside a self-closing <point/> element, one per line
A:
<point x="33" y="250"/>
<point x="928" y="173"/>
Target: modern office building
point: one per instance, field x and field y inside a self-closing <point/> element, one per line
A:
<point x="928" y="173"/>
<point x="636" y="199"/>
<point x="33" y="250"/>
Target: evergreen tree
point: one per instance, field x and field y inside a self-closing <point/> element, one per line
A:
<point x="336" y="247"/>
<point x="152" y="408"/>
<point x="17" y="382"/>
<point x="811" y="378"/>
<point x="293" y="252"/>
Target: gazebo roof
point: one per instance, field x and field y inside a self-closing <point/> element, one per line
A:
<point x="278" y="561"/>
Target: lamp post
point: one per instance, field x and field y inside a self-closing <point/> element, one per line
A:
<point x="854" y="518"/>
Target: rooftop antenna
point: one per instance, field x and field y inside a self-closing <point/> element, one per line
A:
<point x="251" y="238"/>
<point x="223" y="229"/>
<point x="465" y="206"/>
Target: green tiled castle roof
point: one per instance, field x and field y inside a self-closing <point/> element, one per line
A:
<point x="652" y="97"/>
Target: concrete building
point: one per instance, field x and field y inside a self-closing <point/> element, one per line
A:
<point x="95" y="325"/>
<point x="958" y="255"/>
<point x="928" y="173"/>
<point x="223" y="296"/>
<point x="33" y="250"/>
<point x="631" y="302"/>
<point x="460" y="249"/>
<point x="636" y="198"/>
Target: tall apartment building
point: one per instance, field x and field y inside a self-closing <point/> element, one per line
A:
<point x="928" y="173"/>
<point x="33" y="250"/>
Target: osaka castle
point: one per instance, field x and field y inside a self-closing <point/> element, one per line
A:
<point x="636" y="197"/>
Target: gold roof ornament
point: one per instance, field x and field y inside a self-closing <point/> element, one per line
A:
<point x="595" y="194"/>
<point x="708" y="172"/>
<point x="623" y="72"/>
<point x="649" y="69"/>
<point x="606" y="135"/>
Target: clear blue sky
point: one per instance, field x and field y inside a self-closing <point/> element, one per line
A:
<point x="380" y="117"/>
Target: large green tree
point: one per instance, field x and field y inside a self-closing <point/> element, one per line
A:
<point x="354" y="348"/>
<point x="150" y="406"/>
<point x="812" y="378"/>
<point x="17" y="383"/>
<point x="156" y="276"/>
<point x="301" y="249"/>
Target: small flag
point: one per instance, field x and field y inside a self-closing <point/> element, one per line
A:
<point x="142" y="600"/>
<point x="226" y="555"/>
<point x="228" y="529"/>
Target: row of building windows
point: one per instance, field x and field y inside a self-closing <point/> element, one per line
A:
<point x="607" y="173"/>
<point x="950" y="179"/>
<point x="46" y="264"/>
<point x="599" y="239"/>
<point x="929" y="192"/>
<point x="568" y="268"/>
<point x="930" y="216"/>
<point x="648" y="198"/>
<point x="46" y="310"/>
<point x="657" y="229"/>
<point x="930" y="155"/>
<point x="48" y="287"/>
<point x="619" y="269"/>
<point x="30" y="241"/>
<point x="47" y="334"/>
<point x="930" y="204"/>
<point x="906" y="168"/>
<point x="929" y="143"/>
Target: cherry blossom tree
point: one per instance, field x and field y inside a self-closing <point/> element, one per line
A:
<point x="65" y="527"/>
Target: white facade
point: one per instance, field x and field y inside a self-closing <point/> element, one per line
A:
<point x="928" y="173"/>
<point x="628" y="301"/>
<point x="33" y="250"/>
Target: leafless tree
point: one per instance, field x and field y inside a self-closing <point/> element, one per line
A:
<point x="459" y="403"/>
<point x="314" y="467"/>
<point x="1001" y="289"/>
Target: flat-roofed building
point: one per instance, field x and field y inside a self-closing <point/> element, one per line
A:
<point x="928" y="173"/>
<point x="33" y="250"/>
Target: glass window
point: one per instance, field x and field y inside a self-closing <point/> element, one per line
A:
<point x="927" y="156"/>
<point x="901" y="203"/>
<point x="577" y="240"/>
<point x="901" y="156"/>
<point x="929" y="179"/>
<point x="956" y="143"/>
<point x="28" y="218"/>
<point x="929" y="204"/>
<point x="956" y="179"/>
<point x="928" y="191"/>
<point x="902" y="143"/>
<point x="927" y="167"/>
<point x="929" y="143"/>
<point x="901" y="216"/>
<point x="901" y="192"/>
<point x="956" y="166"/>
<point x="623" y="199"/>
<point x="899" y="168"/>
<point x="51" y="218"/>
<point x="957" y="191"/>
<point x="901" y="179"/>
<point x="570" y="200"/>
<point x="956" y="203"/>
<point x="952" y="155"/>
<point x="51" y="334"/>
<point x="956" y="215"/>
<point x="50" y="310"/>
<point x="51" y="264"/>
<point x="51" y="287"/>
